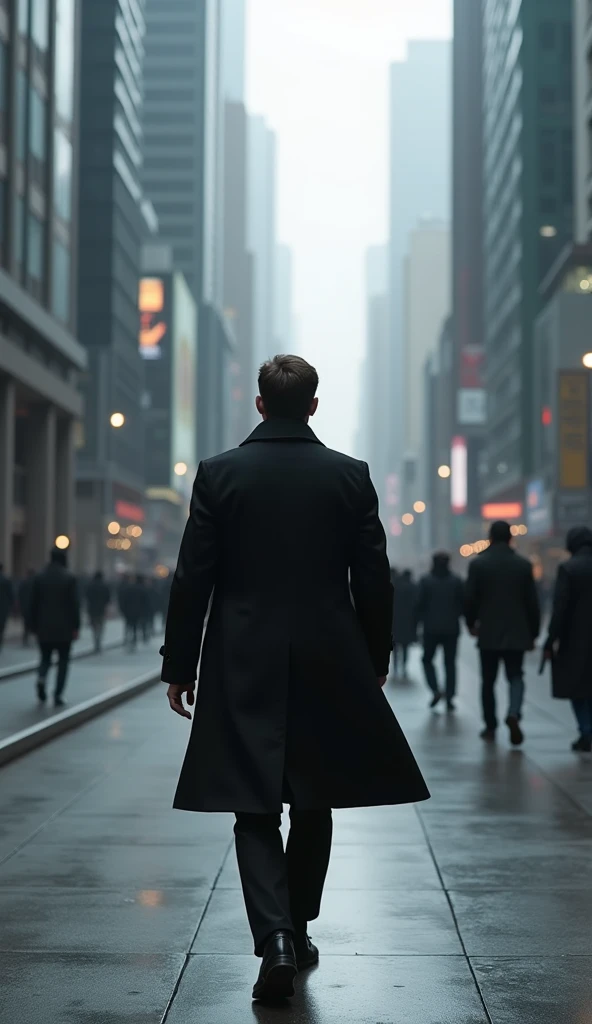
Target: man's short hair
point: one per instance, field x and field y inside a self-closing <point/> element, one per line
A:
<point x="288" y="385"/>
<point x="500" y="532"/>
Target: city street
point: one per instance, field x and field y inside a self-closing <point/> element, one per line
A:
<point x="473" y="907"/>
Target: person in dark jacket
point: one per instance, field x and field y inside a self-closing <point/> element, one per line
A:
<point x="502" y="610"/>
<point x="25" y="594"/>
<point x="98" y="596"/>
<point x="55" y="620"/>
<point x="404" y="627"/>
<point x="290" y="708"/>
<point x="137" y="611"/>
<point x="569" y="642"/>
<point x="440" y="608"/>
<point x="6" y="602"/>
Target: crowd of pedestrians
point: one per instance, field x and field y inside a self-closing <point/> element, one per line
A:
<point x="52" y="603"/>
<point x="502" y="607"/>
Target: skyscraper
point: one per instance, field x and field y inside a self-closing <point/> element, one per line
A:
<point x="40" y="358"/>
<point x="420" y="147"/>
<point x="284" y="311"/>
<point x="115" y="220"/>
<point x="262" y="234"/>
<point x="528" y="210"/>
<point x="183" y="176"/>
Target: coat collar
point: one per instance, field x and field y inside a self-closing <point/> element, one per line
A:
<point x="277" y="429"/>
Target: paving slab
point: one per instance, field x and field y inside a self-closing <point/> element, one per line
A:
<point x="343" y="990"/>
<point x="78" y="988"/>
<point x="536" y="990"/>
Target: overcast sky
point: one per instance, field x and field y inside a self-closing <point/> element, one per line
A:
<point x="318" y="70"/>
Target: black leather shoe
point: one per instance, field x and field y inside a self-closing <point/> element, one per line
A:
<point x="516" y="734"/>
<point x="583" y="745"/>
<point x="41" y="693"/>
<point x="307" y="954"/>
<point x="436" y="700"/>
<point x="278" y="969"/>
<point x="488" y="735"/>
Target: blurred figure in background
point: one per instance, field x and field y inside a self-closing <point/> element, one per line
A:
<point x="55" y="620"/>
<point x="439" y="608"/>
<point x="6" y="602"/>
<point x="24" y="596"/>
<point x="164" y="591"/>
<point x="122" y="603"/>
<point x="404" y="630"/>
<point x="137" y="603"/>
<point x="152" y="606"/>
<point x="569" y="642"/>
<point x="98" y="596"/>
<point x="502" y="610"/>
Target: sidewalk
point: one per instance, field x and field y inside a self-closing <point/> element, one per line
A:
<point x="472" y="908"/>
<point x="88" y="677"/>
<point x="14" y="656"/>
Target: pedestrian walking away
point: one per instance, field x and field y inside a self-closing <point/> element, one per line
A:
<point x="98" y="596"/>
<point x="439" y="609"/>
<point x="404" y="629"/>
<point x="55" y="621"/>
<point x="284" y="533"/>
<point x="24" y="597"/>
<point x="569" y="641"/>
<point x="502" y="610"/>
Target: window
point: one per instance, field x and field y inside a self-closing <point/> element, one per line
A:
<point x="40" y="24"/>
<point x="37" y="140"/>
<point x="3" y="90"/>
<point x="166" y="117"/>
<point x="60" y="285"/>
<point x="35" y="256"/>
<point x="21" y="114"/>
<point x="19" y="234"/>
<point x="64" y="59"/>
<point x="62" y="184"/>
<point x="23" y="17"/>
<point x="168" y="163"/>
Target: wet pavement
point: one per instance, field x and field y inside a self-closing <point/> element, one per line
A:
<point x="88" y="677"/>
<point x="474" y="907"/>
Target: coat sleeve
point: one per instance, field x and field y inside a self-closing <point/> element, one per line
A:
<point x="370" y="580"/>
<point x="471" y="597"/>
<point x="192" y="587"/>
<point x="561" y="602"/>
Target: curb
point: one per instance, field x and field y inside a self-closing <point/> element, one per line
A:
<point x="36" y="735"/>
<point x="12" y="671"/>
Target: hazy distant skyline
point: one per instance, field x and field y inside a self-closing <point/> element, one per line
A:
<point x="318" y="71"/>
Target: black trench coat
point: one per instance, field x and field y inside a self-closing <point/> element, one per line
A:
<point x="570" y="628"/>
<point x="288" y="704"/>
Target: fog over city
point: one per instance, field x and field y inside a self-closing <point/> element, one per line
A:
<point x="319" y="71"/>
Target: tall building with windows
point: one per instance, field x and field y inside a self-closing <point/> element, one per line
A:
<point x="40" y="358"/>
<point x="527" y="212"/>
<point x="114" y="222"/>
<point x="262" y="234"/>
<point x="420" y="187"/>
<point x="183" y="176"/>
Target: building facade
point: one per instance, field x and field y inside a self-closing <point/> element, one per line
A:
<point x="467" y="384"/>
<point x="115" y="221"/>
<point x="419" y="186"/>
<point x="261" y="238"/>
<point x="527" y="212"/>
<point x="186" y="75"/>
<point x="40" y="359"/>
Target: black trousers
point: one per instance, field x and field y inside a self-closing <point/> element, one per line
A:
<point x="63" y="652"/>
<point x="513" y="664"/>
<point x="282" y="889"/>
<point x="431" y="642"/>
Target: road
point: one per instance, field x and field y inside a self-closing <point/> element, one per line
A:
<point x="472" y="908"/>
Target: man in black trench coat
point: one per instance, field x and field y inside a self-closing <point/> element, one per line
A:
<point x="285" y="534"/>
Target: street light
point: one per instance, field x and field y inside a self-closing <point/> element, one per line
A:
<point x="62" y="542"/>
<point x="180" y="468"/>
<point x="114" y="528"/>
<point x="587" y="360"/>
<point x="419" y="507"/>
<point x="444" y="472"/>
<point x="407" y="519"/>
<point x="117" y="419"/>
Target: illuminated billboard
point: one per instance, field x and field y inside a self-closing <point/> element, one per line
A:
<point x="153" y="318"/>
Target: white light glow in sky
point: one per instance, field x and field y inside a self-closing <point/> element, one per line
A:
<point x="318" y="70"/>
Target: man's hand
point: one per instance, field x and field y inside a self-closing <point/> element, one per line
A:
<point x="175" y="694"/>
<point x="382" y="680"/>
